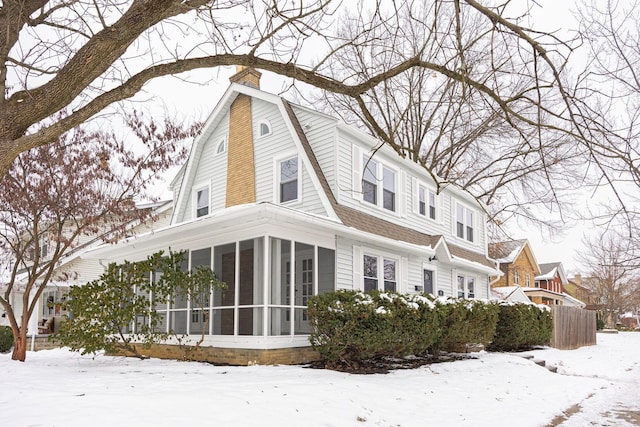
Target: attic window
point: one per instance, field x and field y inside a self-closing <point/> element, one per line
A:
<point x="265" y="128"/>
<point x="222" y="147"/>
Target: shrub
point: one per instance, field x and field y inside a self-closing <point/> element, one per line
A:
<point x="464" y="321"/>
<point x="6" y="339"/>
<point x="352" y="326"/>
<point x="522" y="326"/>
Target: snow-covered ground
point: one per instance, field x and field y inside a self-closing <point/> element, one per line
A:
<point x="596" y="385"/>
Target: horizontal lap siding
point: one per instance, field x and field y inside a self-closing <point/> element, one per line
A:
<point x="444" y="225"/>
<point x="208" y="167"/>
<point x="79" y="271"/>
<point x="272" y="147"/>
<point x="344" y="264"/>
<point x="320" y="132"/>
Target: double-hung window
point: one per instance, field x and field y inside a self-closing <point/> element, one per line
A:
<point x="466" y="286"/>
<point x="373" y="174"/>
<point x="289" y="179"/>
<point x="370" y="181"/>
<point x="426" y="202"/>
<point x="465" y="223"/>
<point x="202" y="202"/>
<point x="380" y="273"/>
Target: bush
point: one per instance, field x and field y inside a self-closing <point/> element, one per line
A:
<point x="352" y="326"/>
<point x="464" y="321"/>
<point x="6" y="339"/>
<point x="522" y="326"/>
<point x="600" y="324"/>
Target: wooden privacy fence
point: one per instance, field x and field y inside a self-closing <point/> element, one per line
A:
<point x="572" y="327"/>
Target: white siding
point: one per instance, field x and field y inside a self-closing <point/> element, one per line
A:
<point x="350" y="153"/>
<point x="209" y="167"/>
<point x="344" y="263"/>
<point x="321" y="134"/>
<point x="271" y="148"/>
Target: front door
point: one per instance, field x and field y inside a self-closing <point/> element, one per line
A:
<point x="427" y="282"/>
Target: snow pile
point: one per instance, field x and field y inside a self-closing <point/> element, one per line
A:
<point x="59" y="388"/>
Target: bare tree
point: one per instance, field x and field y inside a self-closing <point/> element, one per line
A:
<point x="509" y="155"/>
<point x="612" y="280"/>
<point x="79" y="57"/>
<point x="609" y="92"/>
<point x="84" y="184"/>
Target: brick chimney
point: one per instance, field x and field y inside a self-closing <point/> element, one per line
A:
<point x="578" y="279"/>
<point x="241" y="174"/>
<point x="246" y="76"/>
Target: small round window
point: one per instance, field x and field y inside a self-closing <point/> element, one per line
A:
<point x="265" y="128"/>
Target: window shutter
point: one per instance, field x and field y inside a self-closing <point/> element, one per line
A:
<point x="402" y="194"/>
<point x="403" y="280"/>
<point x="357" y="269"/>
<point x="414" y="196"/>
<point x="357" y="174"/>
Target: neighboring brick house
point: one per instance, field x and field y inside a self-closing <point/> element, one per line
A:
<point x="283" y="203"/>
<point x="517" y="263"/>
<point x="552" y="277"/>
<point x="520" y="268"/>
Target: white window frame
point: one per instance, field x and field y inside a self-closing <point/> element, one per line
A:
<point x="278" y="182"/>
<point x="516" y="277"/>
<point x="467" y="279"/>
<point x="221" y="148"/>
<point x="380" y="183"/>
<point x="527" y="280"/>
<point x="381" y="259"/>
<point x="466" y="210"/>
<point x="43" y="243"/>
<point x="267" y="124"/>
<point x="428" y="192"/>
<point x="196" y="190"/>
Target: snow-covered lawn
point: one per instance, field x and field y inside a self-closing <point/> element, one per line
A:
<point x="60" y="388"/>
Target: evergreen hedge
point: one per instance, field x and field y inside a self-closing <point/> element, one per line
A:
<point x="6" y="339"/>
<point x="465" y="321"/>
<point x="522" y="326"/>
<point x="354" y="326"/>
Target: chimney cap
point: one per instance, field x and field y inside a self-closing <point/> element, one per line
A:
<point x="247" y="76"/>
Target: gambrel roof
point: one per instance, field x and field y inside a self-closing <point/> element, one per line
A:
<point x="336" y="213"/>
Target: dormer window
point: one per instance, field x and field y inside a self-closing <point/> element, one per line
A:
<point x="465" y="223"/>
<point x="372" y="171"/>
<point x="289" y="179"/>
<point x="426" y="202"/>
<point x="265" y="128"/>
<point x="202" y="202"/>
<point x="370" y="181"/>
<point x="389" y="189"/>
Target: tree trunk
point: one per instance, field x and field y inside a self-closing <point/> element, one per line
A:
<point x="20" y="348"/>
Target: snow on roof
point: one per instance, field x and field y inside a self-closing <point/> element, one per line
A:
<point x="548" y="275"/>
<point x="506" y="252"/>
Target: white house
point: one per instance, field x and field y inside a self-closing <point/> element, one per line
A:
<point x="284" y="202"/>
<point x="74" y="269"/>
